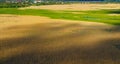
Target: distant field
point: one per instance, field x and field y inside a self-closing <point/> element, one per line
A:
<point x="78" y="7"/>
<point x="109" y="16"/>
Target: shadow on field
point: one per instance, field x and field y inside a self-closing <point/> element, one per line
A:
<point x="61" y="44"/>
<point x="115" y="11"/>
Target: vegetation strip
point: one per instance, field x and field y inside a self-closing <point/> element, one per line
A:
<point x="94" y="16"/>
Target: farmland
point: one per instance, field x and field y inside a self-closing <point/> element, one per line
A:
<point x="110" y="15"/>
<point x="74" y="34"/>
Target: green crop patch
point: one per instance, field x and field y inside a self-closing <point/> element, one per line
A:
<point x="104" y="16"/>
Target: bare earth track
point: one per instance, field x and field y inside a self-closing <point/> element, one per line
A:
<point x="41" y="40"/>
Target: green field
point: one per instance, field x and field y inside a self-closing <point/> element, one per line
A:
<point x="92" y="16"/>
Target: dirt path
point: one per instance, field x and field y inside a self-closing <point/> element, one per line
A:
<point x="41" y="40"/>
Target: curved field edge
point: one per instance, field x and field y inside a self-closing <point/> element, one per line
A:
<point x="102" y="16"/>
